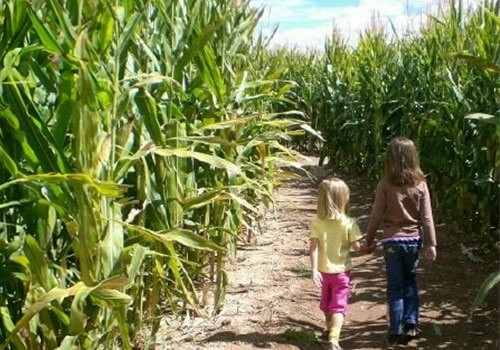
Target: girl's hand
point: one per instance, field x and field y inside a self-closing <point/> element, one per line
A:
<point x="355" y="246"/>
<point x="317" y="278"/>
<point x="430" y="253"/>
<point x="369" y="246"/>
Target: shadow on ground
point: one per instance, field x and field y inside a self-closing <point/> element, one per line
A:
<point x="447" y="288"/>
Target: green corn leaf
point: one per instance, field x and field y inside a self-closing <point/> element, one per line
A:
<point x="39" y="305"/>
<point x="105" y="35"/>
<point x="485" y="118"/>
<point x="191" y="239"/>
<point x="32" y="129"/>
<point x="111" y="298"/>
<point x="68" y="343"/>
<point x="64" y="21"/>
<point x="201" y="200"/>
<point x="121" y="315"/>
<point x="156" y="78"/>
<point x="66" y="107"/>
<point x="147" y="107"/>
<point x="106" y="188"/>
<point x="19" y="135"/>
<point x="78" y="318"/>
<point x="9" y="326"/>
<point x="45" y="35"/>
<point x="310" y="130"/>
<point x="38" y="263"/>
<point x="197" y="46"/>
<point x="175" y="267"/>
<point x="126" y="36"/>
<point x="202" y="157"/>
<point x="211" y="73"/>
<point x="243" y="202"/>
<point x="185" y="237"/>
<point x="229" y="123"/>
<point x="137" y="259"/>
<point x="478" y="62"/>
<point x="8" y="162"/>
<point x="492" y="280"/>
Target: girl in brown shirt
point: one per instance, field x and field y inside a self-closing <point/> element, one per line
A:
<point x="403" y="206"/>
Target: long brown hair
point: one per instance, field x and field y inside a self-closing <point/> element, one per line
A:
<point x="333" y="198"/>
<point x="402" y="164"/>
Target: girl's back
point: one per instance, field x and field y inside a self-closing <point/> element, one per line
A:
<point x="335" y="237"/>
<point x="402" y="200"/>
<point x="405" y="210"/>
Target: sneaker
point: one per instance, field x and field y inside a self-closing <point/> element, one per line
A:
<point x="393" y="339"/>
<point x="410" y="332"/>
<point x="324" y="335"/>
<point x="332" y="346"/>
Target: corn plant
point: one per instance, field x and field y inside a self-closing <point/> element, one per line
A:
<point x="137" y="141"/>
<point x="438" y="86"/>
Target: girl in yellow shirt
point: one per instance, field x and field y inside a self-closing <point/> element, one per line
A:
<point x="333" y="235"/>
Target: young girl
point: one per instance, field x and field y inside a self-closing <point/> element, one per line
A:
<point x="403" y="204"/>
<point x="333" y="233"/>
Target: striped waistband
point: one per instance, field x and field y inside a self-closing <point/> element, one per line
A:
<point x="413" y="239"/>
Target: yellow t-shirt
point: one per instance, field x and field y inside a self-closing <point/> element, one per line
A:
<point x="335" y="237"/>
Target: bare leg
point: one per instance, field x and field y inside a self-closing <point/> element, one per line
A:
<point x="329" y="321"/>
<point x="337" y="320"/>
<point x="329" y="325"/>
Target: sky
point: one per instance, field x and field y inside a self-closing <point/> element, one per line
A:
<point x="306" y="23"/>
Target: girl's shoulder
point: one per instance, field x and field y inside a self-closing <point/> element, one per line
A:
<point x="339" y="218"/>
<point x="347" y="220"/>
<point x="421" y="186"/>
<point x="385" y="185"/>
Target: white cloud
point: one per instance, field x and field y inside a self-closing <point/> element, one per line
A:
<point x="303" y="25"/>
<point x="302" y="38"/>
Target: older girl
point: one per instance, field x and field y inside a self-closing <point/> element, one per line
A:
<point x="403" y="205"/>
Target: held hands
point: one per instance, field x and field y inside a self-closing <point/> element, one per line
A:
<point x="369" y="246"/>
<point x="317" y="278"/>
<point x="430" y="253"/>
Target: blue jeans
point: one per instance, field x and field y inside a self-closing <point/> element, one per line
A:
<point x="401" y="261"/>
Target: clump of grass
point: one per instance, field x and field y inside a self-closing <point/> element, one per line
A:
<point x="302" y="270"/>
<point x="300" y="337"/>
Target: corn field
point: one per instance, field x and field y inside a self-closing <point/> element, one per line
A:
<point x="140" y="139"/>
<point x="137" y="141"/>
<point x="439" y="86"/>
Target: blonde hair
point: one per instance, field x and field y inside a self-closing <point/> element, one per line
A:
<point x="402" y="164"/>
<point x="333" y="198"/>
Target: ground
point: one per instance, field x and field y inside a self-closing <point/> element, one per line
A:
<point x="272" y="302"/>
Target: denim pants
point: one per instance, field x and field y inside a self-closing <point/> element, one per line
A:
<point x="401" y="261"/>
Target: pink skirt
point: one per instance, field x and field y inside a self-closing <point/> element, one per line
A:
<point x="335" y="292"/>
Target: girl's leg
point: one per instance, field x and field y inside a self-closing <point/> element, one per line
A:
<point x="326" y="299"/>
<point x="395" y="282"/>
<point x="334" y="330"/>
<point x="410" y="289"/>
<point x="338" y="306"/>
<point x="329" y="324"/>
<point x="329" y="321"/>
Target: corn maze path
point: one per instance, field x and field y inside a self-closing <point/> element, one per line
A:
<point x="271" y="303"/>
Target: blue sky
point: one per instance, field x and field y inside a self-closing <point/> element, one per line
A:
<point x="306" y="23"/>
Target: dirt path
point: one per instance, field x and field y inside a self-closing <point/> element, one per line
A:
<point x="272" y="303"/>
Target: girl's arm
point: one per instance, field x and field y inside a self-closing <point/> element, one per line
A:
<point x="355" y="246"/>
<point x="377" y="215"/>
<point x="313" y="254"/>
<point x="354" y="237"/>
<point x="427" y="222"/>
